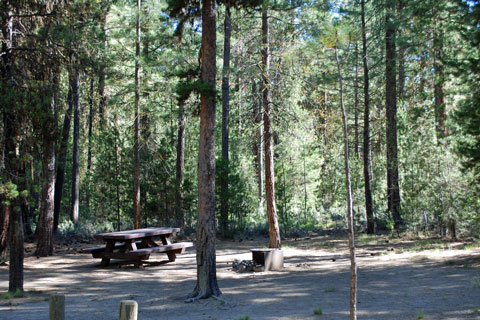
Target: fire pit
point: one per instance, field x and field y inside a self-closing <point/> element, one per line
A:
<point x="247" y="266"/>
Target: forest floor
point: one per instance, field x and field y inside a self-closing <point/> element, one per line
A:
<point x="398" y="279"/>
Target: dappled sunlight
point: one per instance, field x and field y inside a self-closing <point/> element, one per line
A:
<point x="391" y="285"/>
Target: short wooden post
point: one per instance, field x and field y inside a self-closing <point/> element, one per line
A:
<point x="128" y="310"/>
<point x="57" y="307"/>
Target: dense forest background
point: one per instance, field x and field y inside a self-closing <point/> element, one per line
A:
<point x="97" y="93"/>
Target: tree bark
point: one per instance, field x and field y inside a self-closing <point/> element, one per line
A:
<point x="258" y="119"/>
<point x="75" y="82"/>
<point x="439" y="84"/>
<point x="136" y="146"/>
<point x="325" y="109"/>
<point x="207" y="285"/>
<point x="102" y="93"/>
<point x="440" y="104"/>
<point x="45" y="220"/>
<point x="225" y="119"/>
<point x="90" y="132"/>
<point x="273" y="228"/>
<point x="367" y="155"/>
<point x="348" y="185"/>
<point x="31" y="207"/>
<point x="62" y="158"/>
<point x="393" y="189"/>
<point x="180" y="166"/>
<point x="16" y="249"/>
<point x="12" y="121"/>
<point x="25" y="184"/>
<point x="15" y="229"/>
<point x="4" y="219"/>
<point x="117" y="174"/>
<point x="145" y="130"/>
<point x="5" y="208"/>
<point x="401" y="59"/>
<point x="305" y="194"/>
<point x="355" y="109"/>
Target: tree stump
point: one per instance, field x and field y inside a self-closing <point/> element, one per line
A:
<point x="56" y="305"/>
<point x="128" y="310"/>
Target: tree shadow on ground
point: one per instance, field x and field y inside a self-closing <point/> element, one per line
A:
<point x="390" y="287"/>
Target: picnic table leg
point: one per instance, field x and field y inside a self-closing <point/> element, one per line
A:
<point x="166" y="240"/>
<point x="148" y="243"/>
<point x="108" y="249"/>
<point x="130" y="245"/>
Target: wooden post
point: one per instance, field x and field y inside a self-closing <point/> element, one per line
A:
<point x="57" y="307"/>
<point x="128" y="310"/>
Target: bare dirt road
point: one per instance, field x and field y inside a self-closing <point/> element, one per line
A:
<point x="398" y="279"/>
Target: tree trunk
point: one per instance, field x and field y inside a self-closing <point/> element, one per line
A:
<point x="440" y="105"/>
<point x="180" y="166"/>
<point x="439" y="85"/>
<point x="355" y="109"/>
<point x="273" y="228"/>
<point x="102" y="93"/>
<point x="45" y="221"/>
<point x="367" y="154"/>
<point x="28" y="207"/>
<point x="401" y="59"/>
<point x="5" y="208"/>
<point x="4" y="220"/>
<point x="75" y="82"/>
<point x="34" y="205"/>
<point x="325" y="109"/>
<point x="393" y="190"/>
<point x="90" y="132"/>
<point x="401" y="73"/>
<point x="24" y="184"/>
<point x="15" y="229"/>
<point x="305" y="194"/>
<point x="136" y="146"/>
<point x="225" y="120"/>
<point x="62" y="158"/>
<point x="284" y="202"/>
<point x="12" y="121"/>
<point x="348" y="185"/>
<point x="16" y="250"/>
<point x="117" y="174"/>
<point x="258" y="119"/>
<point x="206" y="260"/>
<point x="145" y="130"/>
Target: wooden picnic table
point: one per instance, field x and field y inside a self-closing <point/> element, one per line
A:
<point x="137" y="245"/>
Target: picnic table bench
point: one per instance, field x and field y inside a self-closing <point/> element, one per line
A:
<point x="137" y="245"/>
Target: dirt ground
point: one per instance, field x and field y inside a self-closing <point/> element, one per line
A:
<point x="398" y="279"/>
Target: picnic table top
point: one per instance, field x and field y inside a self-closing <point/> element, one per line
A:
<point x="136" y="233"/>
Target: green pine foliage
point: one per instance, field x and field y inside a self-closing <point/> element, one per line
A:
<point x="468" y="114"/>
<point x="438" y="179"/>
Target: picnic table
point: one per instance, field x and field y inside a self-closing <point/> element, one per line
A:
<point x="137" y="245"/>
